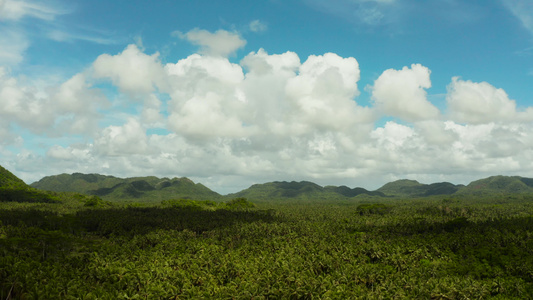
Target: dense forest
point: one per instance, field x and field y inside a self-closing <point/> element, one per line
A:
<point x="65" y="245"/>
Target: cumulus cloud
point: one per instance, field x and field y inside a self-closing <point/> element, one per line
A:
<point x="221" y="43"/>
<point x="401" y="93"/>
<point x="212" y="97"/>
<point x="203" y="97"/>
<point x="131" y="70"/>
<point x="20" y="105"/>
<point x="477" y="103"/>
<point x="129" y="138"/>
<point x="268" y="117"/>
<point x="324" y="91"/>
<point x="71" y="107"/>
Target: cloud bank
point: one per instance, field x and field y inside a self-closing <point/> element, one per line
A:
<point x="267" y="117"/>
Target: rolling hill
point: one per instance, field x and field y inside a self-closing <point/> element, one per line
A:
<point x="500" y="184"/>
<point x="303" y="190"/>
<point x="146" y="189"/>
<point x="412" y="188"/>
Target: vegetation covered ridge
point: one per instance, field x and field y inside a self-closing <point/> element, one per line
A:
<point x="154" y="189"/>
<point x="139" y="189"/>
<point x="304" y="190"/>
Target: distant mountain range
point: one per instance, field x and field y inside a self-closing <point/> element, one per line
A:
<point x="154" y="189"/>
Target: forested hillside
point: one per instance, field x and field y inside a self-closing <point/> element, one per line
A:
<point x="13" y="189"/>
<point x="412" y="188"/>
<point x="500" y="185"/>
<point x="303" y="190"/>
<point x="154" y="189"/>
<point x="140" y="189"/>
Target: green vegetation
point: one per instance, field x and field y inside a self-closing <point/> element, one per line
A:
<point x="412" y="188"/>
<point x="135" y="189"/>
<point x="10" y="181"/>
<point x="500" y="185"/>
<point x="304" y="190"/>
<point x="458" y="246"/>
<point x="13" y="189"/>
<point x="154" y="190"/>
<point x="429" y="248"/>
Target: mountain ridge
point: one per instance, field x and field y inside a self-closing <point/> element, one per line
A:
<point x="157" y="189"/>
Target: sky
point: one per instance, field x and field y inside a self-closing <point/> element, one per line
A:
<point x="234" y="93"/>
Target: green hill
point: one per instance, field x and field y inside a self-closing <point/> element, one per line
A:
<point x="412" y="188"/>
<point x="348" y="192"/>
<point x="13" y="189"/>
<point x="10" y="181"/>
<point x="500" y="184"/>
<point x="303" y="190"/>
<point x="143" y="189"/>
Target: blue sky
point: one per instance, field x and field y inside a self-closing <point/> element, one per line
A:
<point x="231" y="93"/>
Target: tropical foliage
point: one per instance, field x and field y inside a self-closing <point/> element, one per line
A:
<point x="459" y="246"/>
<point x="453" y="248"/>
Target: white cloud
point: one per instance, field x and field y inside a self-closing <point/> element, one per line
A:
<point x="478" y="103"/>
<point x="270" y="117"/>
<point x="16" y="9"/>
<point x="65" y="36"/>
<point x="132" y="71"/>
<point x="211" y="97"/>
<point x="203" y="97"/>
<point x="129" y="138"/>
<point x="68" y="108"/>
<point x="221" y="43"/>
<point x="76" y="105"/>
<point x="258" y="26"/>
<point x="324" y="91"/>
<point x="435" y="133"/>
<point x="151" y="113"/>
<point x="19" y="104"/>
<point x="401" y="93"/>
